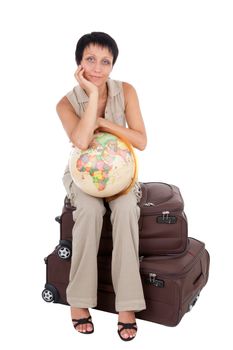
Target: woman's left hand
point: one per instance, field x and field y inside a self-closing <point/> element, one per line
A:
<point x="98" y="124"/>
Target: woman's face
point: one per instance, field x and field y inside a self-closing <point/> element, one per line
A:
<point x="97" y="64"/>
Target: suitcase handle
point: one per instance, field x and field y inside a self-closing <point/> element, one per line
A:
<point x="198" y="280"/>
<point x="145" y="191"/>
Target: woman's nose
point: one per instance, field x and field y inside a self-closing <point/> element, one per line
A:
<point x="97" y="67"/>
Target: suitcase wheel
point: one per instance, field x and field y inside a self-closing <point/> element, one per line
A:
<point x="193" y="302"/>
<point x="58" y="219"/>
<point x="50" y="294"/>
<point x="64" y="249"/>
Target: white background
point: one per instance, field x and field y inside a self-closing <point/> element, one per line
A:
<point x="178" y="55"/>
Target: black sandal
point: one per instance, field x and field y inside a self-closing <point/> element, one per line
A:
<point x="83" y="321"/>
<point x="127" y="326"/>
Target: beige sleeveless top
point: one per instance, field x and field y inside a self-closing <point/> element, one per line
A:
<point x="114" y="112"/>
<point x="115" y="107"/>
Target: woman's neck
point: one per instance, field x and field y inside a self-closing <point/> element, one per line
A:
<point x="103" y="92"/>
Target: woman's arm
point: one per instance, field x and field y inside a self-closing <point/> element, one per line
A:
<point x="136" y="132"/>
<point x="80" y="130"/>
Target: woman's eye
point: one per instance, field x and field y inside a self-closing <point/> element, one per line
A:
<point x="106" y="62"/>
<point x="90" y="59"/>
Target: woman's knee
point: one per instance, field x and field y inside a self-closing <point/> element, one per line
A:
<point x="89" y="205"/>
<point x="124" y="203"/>
<point x="91" y="209"/>
<point x="122" y="211"/>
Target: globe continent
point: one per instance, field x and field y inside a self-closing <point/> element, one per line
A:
<point x="106" y="168"/>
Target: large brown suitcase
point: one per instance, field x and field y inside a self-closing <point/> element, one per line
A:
<point x="171" y="284"/>
<point x="162" y="224"/>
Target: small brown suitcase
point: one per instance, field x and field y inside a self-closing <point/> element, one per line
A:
<point x="171" y="284"/>
<point x="162" y="224"/>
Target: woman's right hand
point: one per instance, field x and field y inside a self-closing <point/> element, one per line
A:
<point x="85" y="84"/>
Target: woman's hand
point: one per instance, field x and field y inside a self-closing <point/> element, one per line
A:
<point x="85" y="84"/>
<point x="98" y="124"/>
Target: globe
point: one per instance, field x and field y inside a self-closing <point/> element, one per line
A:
<point x="108" y="167"/>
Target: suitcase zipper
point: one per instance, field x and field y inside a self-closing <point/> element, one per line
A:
<point x="148" y="204"/>
<point x="155" y="281"/>
<point x="165" y="216"/>
<point x="152" y="277"/>
<point x="148" y="212"/>
<point x="166" y="199"/>
<point x="162" y="274"/>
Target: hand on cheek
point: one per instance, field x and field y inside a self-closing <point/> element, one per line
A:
<point x="82" y="66"/>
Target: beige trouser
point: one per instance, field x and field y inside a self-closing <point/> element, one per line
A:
<point x="88" y="217"/>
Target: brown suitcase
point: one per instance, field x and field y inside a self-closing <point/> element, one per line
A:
<point x="162" y="224"/>
<point x="171" y="284"/>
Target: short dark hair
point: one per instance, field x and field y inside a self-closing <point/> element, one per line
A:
<point x="97" y="38"/>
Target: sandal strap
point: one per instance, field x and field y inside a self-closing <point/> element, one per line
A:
<point x="82" y="321"/>
<point x="127" y="326"/>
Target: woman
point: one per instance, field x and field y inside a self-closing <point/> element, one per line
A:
<point x="99" y="103"/>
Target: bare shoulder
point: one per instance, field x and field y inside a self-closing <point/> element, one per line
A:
<point x="64" y="102"/>
<point x="128" y="88"/>
<point x="130" y="93"/>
